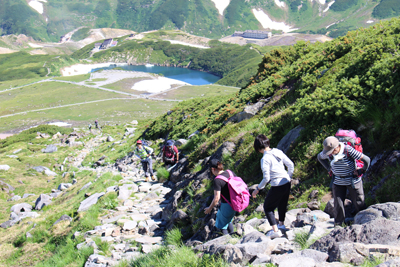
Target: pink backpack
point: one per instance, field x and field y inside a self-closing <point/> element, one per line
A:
<point x="349" y="137"/>
<point x="240" y="196"/>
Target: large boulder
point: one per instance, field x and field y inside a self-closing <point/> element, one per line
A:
<point x="40" y="168"/>
<point x="63" y="218"/>
<point x="227" y="148"/>
<point x="289" y="139"/>
<point x="90" y="201"/>
<point x="247" y="113"/>
<point x="378" y="231"/>
<point x="41" y="201"/>
<point x="389" y="210"/>
<point x="50" y="173"/>
<point x="64" y="186"/>
<point x="180" y="142"/>
<point x="21" y="207"/>
<point x="50" y="149"/>
<point x="9" y="187"/>
<point x="4" y="167"/>
<point x="178" y="170"/>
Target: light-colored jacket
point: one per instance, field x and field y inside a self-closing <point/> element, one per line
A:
<point x="144" y="152"/>
<point x="273" y="168"/>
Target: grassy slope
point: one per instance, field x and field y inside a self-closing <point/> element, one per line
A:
<point x="49" y="94"/>
<point x="323" y="87"/>
<point x="188" y="92"/>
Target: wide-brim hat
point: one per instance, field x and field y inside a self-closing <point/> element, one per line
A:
<point x="330" y="143"/>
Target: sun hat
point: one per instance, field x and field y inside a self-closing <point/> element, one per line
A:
<point x="330" y="143"/>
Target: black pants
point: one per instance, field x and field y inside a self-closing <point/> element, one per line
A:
<point x="277" y="197"/>
<point x="339" y="196"/>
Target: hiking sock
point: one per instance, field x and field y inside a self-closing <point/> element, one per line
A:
<point x="230" y="228"/>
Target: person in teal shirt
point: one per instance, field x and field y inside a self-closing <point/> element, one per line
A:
<point x="144" y="153"/>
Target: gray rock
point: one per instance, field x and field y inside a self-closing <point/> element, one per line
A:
<point x="110" y="139"/>
<point x="74" y="181"/>
<point x="247" y="113"/>
<point x="230" y="253"/>
<point x="86" y="186"/>
<point x="181" y="142"/>
<point x="253" y="237"/>
<point x="390" y="263"/>
<point x="14" y="216"/>
<point x="251" y="249"/>
<point x="289" y="139"/>
<point x="227" y="148"/>
<point x="378" y="231"/>
<point x="40" y="168"/>
<point x="150" y="196"/>
<point x="63" y="218"/>
<point x="15" y="198"/>
<point x="114" y="188"/>
<point x="4" y="167"/>
<point x="55" y="194"/>
<point x="64" y="186"/>
<point x="8" y="224"/>
<point x="179" y="215"/>
<point x="206" y="247"/>
<point x="50" y="173"/>
<point x="298" y="262"/>
<point x="130" y="225"/>
<point x="27" y="195"/>
<point x="21" y="207"/>
<point x="90" y="201"/>
<point x="50" y="149"/>
<point x="41" y="201"/>
<point x="193" y="134"/>
<point x="9" y="187"/>
<point x="389" y="210"/>
<point x="17" y="151"/>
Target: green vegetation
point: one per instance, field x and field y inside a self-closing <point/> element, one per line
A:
<point x="386" y="9"/>
<point x="187" y="92"/>
<point x="162" y="174"/>
<point x="75" y="78"/>
<point x="342" y="5"/>
<point x="80" y="34"/>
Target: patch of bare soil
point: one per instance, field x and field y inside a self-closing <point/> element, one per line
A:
<point x="4" y="50"/>
<point x="278" y="40"/>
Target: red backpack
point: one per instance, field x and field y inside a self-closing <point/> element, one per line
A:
<point x="239" y="194"/>
<point x="349" y="137"/>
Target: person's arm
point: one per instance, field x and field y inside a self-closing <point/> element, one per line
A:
<point x="265" y="167"/>
<point x="149" y="150"/>
<point x="288" y="163"/>
<point x="217" y="196"/>
<point x="177" y="153"/>
<point x="324" y="161"/>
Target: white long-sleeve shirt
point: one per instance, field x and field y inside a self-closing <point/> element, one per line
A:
<point x="273" y="168"/>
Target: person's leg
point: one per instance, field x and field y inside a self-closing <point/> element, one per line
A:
<point x="230" y="228"/>
<point x="282" y="207"/>
<point x="150" y="166"/>
<point x="224" y="217"/>
<point x="270" y="204"/>
<point x="357" y="197"/>
<point x="144" y="165"/>
<point x="339" y="196"/>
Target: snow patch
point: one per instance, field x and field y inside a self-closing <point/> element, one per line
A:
<point x="37" y="5"/>
<point x="370" y="21"/>
<point x="330" y="25"/>
<point x="322" y="2"/>
<point x="35" y="45"/>
<point x="157" y="85"/>
<point x="221" y="5"/>
<point x="281" y="4"/>
<point x="268" y="23"/>
<point x="329" y="5"/>
<point x="79" y="69"/>
<point x="60" y="124"/>
<point x="187" y="44"/>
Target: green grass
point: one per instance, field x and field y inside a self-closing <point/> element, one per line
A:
<point x="162" y="174"/>
<point x="75" y="78"/>
<point x="49" y="94"/>
<point x="173" y="237"/>
<point x="188" y="92"/>
<point x="16" y="83"/>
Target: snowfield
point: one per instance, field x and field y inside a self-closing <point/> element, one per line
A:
<point x="221" y="5"/>
<point x="370" y="21"/>
<point x="157" y="85"/>
<point x="329" y="5"/>
<point x="37" y="5"/>
<point x="268" y="23"/>
<point x="281" y="4"/>
<point x="187" y="44"/>
<point x="79" y="69"/>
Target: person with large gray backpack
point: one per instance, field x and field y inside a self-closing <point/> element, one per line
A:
<point x="346" y="163"/>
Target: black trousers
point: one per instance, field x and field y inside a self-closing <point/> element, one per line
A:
<point x="277" y="197"/>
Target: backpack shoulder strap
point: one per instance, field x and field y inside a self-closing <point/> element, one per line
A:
<point x="222" y="178"/>
<point x="230" y="173"/>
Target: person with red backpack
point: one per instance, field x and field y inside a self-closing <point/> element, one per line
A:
<point x="170" y="153"/>
<point x="235" y="196"/>
<point x="340" y="159"/>
<point x="273" y="165"/>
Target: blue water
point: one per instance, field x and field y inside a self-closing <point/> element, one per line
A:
<point x="193" y="77"/>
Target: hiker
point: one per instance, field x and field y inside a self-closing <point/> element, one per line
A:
<point x="339" y="158"/>
<point x="273" y="165"/>
<point x="96" y="124"/>
<point x="225" y="212"/>
<point x="144" y="153"/>
<point x="170" y="153"/>
<point x="90" y="127"/>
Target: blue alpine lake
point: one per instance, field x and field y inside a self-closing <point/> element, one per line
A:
<point x="193" y="77"/>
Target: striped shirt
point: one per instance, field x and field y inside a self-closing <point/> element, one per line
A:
<point x="344" y="168"/>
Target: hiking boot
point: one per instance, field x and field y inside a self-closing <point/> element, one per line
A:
<point x="146" y="179"/>
<point x="154" y="178"/>
<point x="273" y="234"/>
